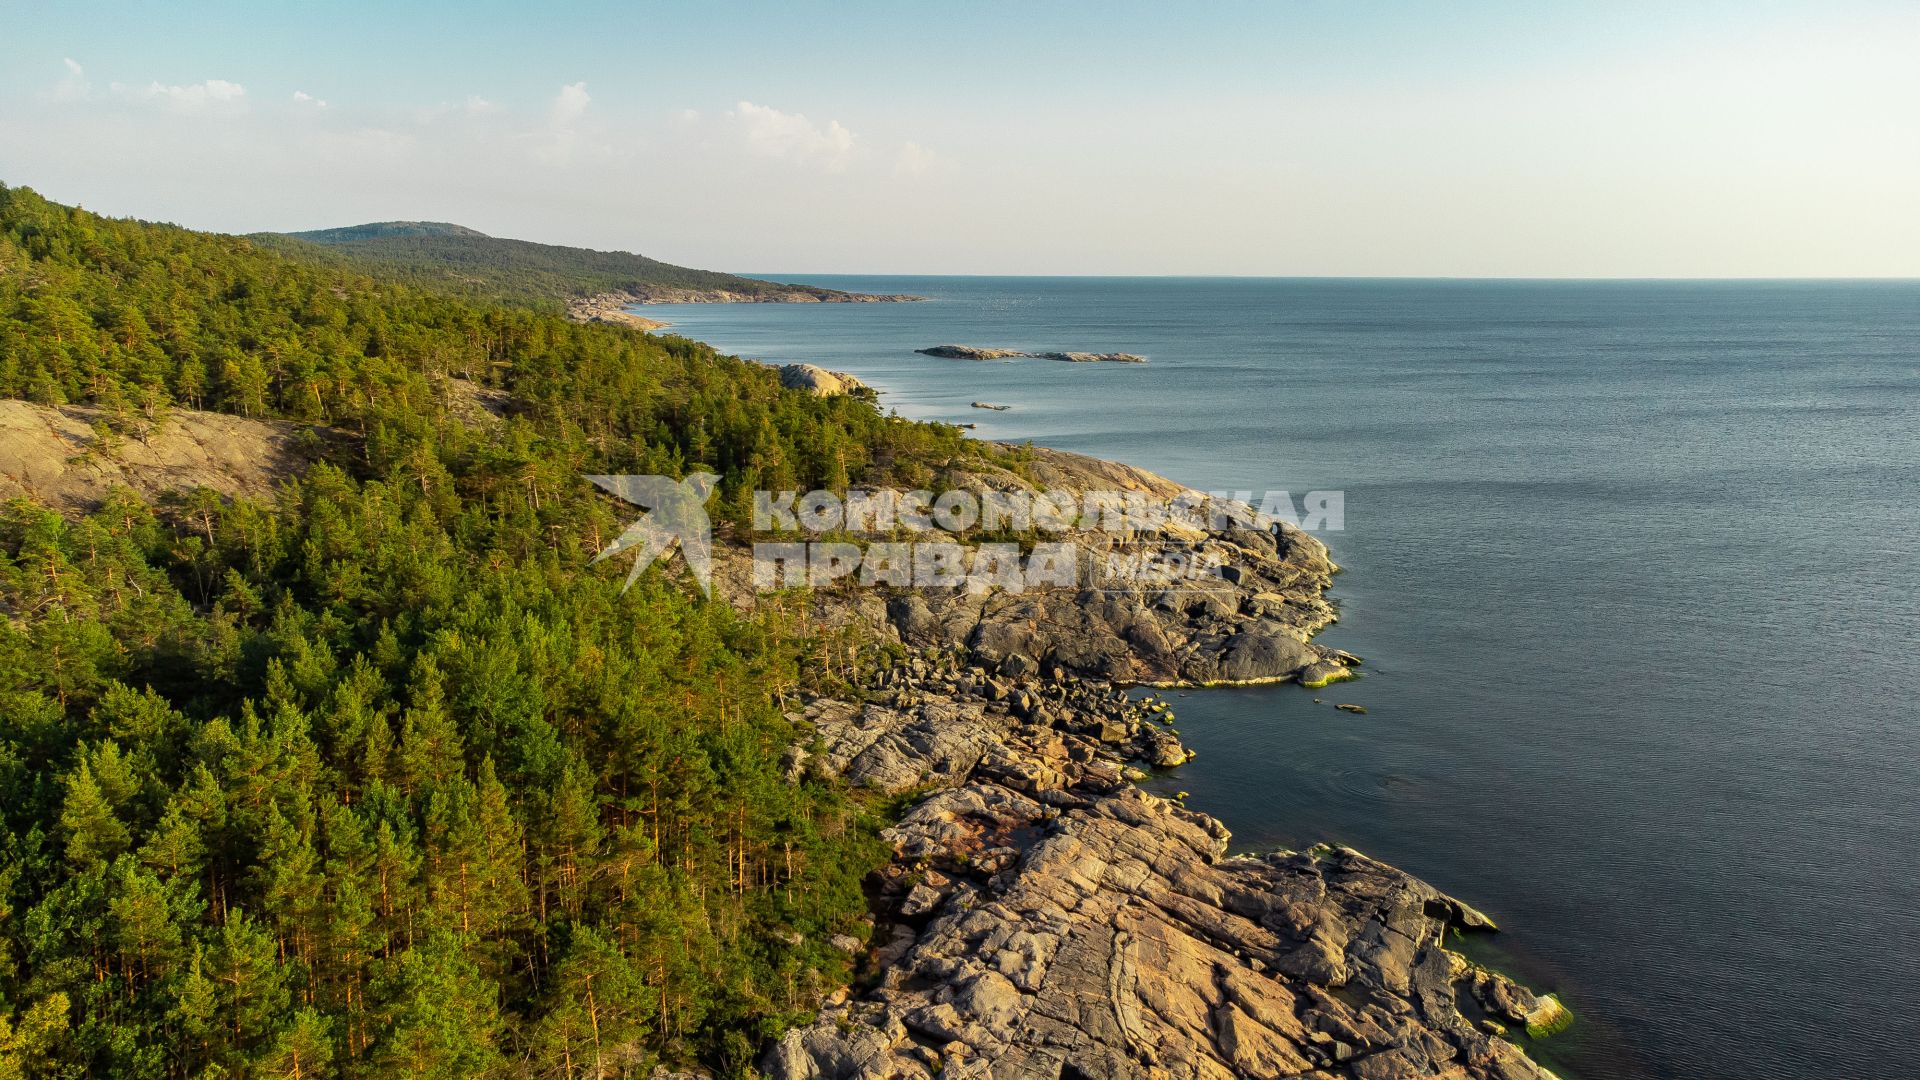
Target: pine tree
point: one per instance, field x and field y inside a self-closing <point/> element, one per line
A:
<point x="430" y="745"/>
<point x="29" y="1049"/>
<point x="290" y="889"/>
<point x="94" y="834"/>
<point x="395" y="864"/>
<point x="442" y="1018"/>
<point x="570" y="842"/>
<point x="499" y="849"/>
<point x="596" y="1012"/>
<point x="303" y="1049"/>
<point x="196" y="1011"/>
<point x="175" y="847"/>
<point x="148" y="940"/>
<point x="250" y="985"/>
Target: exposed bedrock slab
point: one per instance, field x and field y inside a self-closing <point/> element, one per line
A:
<point x="1048" y="919"/>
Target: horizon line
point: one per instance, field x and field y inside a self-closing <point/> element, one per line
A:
<point x="796" y="277"/>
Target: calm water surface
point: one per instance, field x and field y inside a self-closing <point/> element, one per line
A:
<point x="1633" y="566"/>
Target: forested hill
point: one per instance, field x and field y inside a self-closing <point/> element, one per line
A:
<point x="380" y="777"/>
<point x="452" y="255"/>
<point x="386" y="230"/>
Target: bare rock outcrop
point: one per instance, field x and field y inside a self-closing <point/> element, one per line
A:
<point x="1233" y="599"/>
<point x="70" y="457"/>
<point x="1044" y="918"/>
<point x="610" y="308"/>
<point x="818" y="380"/>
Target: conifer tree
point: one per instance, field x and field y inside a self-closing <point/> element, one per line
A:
<point x="302" y="1050"/>
<point x="430" y="746"/>
<point x="249" y="983"/>
<point x="596" y="1012"/>
<point x="94" y="833"/>
<point x="29" y="1047"/>
<point x="441" y="1017"/>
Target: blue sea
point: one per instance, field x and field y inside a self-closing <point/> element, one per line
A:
<point x="1635" y="568"/>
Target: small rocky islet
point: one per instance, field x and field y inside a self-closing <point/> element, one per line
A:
<point x="977" y="352"/>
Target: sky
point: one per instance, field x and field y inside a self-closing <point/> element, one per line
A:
<point x="1286" y="137"/>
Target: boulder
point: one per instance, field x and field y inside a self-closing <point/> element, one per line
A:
<point x="1264" y="652"/>
<point x="820" y="381"/>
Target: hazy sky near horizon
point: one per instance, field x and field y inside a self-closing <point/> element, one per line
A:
<point x="1282" y="138"/>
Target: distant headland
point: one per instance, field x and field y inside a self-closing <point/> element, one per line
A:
<point x="447" y="255"/>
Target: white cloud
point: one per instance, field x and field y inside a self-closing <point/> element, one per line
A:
<point x="563" y="140"/>
<point x="570" y="105"/>
<point x="74" y="86"/>
<point x="301" y="97"/>
<point x="912" y="159"/>
<point x="212" y="96"/>
<point x="792" y="137"/>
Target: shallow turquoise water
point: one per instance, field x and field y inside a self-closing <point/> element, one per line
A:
<point x="1634" y="569"/>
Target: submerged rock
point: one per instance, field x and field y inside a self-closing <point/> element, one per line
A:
<point x="1541" y="1015"/>
<point x="1324" y="673"/>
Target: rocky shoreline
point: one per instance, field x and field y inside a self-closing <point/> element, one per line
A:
<point x="774" y="293"/>
<point x="1250" y="621"/>
<point x="1044" y="917"/>
<point x="609" y="308"/>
